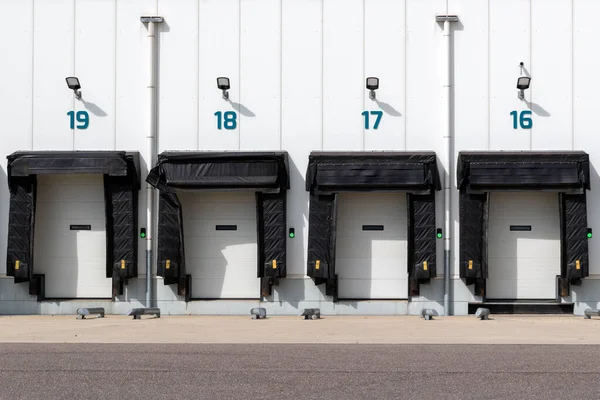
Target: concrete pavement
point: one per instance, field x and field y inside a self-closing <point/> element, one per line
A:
<point x="502" y="329"/>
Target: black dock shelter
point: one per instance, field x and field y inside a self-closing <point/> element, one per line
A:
<point x="330" y="173"/>
<point x="121" y="185"/>
<point x="479" y="173"/>
<point x="265" y="173"/>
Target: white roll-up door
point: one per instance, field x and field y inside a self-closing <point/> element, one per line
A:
<point x="523" y="245"/>
<point x="371" y="246"/>
<point x="72" y="257"/>
<point x="221" y="244"/>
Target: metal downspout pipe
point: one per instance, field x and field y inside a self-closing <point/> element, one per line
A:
<point x="448" y="151"/>
<point x="151" y="149"/>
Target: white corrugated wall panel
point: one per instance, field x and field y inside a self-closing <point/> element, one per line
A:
<point x="343" y="75"/>
<point x="260" y="75"/>
<point x="510" y="37"/>
<point x="177" y="82"/>
<point x="53" y="47"/>
<point x="219" y="56"/>
<point x="384" y="58"/>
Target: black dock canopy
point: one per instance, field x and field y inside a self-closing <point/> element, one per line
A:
<point x="121" y="185"/>
<point x="504" y="170"/>
<point x="564" y="172"/>
<point x="265" y="173"/>
<point x="330" y="173"/>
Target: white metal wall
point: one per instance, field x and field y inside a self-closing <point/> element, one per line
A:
<point x="297" y="69"/>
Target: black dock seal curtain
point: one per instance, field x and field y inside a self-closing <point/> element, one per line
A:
<point x="479" y="173"/>
<point x="121" y="186"/>
<point x="330" y="173"/>
<point x="265" y="173"/>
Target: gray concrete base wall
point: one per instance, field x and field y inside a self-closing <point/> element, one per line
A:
<point x="290" y="297"/>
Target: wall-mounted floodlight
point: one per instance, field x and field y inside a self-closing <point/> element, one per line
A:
<point x="522" y="84"/>
<point x="151" y="18"/>
<point x="223" y="84"/>
<point x="372" y="86"/>
<point x="73" y="84"/>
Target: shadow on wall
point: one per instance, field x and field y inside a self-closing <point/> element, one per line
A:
<point x="388" y="109"/>
<point x="93" y="108"/>
<point x="4" y="200"/>
<point x="297" y="200"/>
<point x="241" y="109"/>
<point x="592" y="200"/>
<point x="161" y="28"/>
<point x="537" y="109"/>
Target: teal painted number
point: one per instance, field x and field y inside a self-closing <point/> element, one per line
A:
<point x="525" y="122"/>
<point x="379" y="114"/>
<point x="227" y="119"/>
<point x="82" y="116"/>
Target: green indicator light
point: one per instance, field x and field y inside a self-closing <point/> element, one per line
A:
<point x="589" y="233"/>
<point x="439" y="233"/>
<point x="143" y="233"/>
<point x="292" y="233"/>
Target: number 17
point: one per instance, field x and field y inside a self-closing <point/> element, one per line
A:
<point x="377" y="121"/>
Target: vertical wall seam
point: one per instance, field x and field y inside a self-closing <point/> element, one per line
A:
<point x="573" y="74"/>
<point x="531" y="65"/>
<point x="115" y="78"/>
<point x="322" y="74"/>
<point x="364" y="46"/>
<point x="32" y="70"/>
<point x="489" y="75"/>
<point x="74" y="60"/>
<point x="240" y="72"/>
<point x="280" y="74"/>
<point x="405" y="74"/>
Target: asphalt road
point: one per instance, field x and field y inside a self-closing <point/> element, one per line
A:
<point x="120" y="371"/>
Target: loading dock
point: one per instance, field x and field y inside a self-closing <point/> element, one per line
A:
<point x="75" y="214"/>
<point x="354" y="196"/>
<point x="70" y="236"/>
<point x="534" y="240"/>
<point x="371" y="246"/>
<point x="208" y="240"/>
<point x="221" y="244"/>
<point x="524" y="252"/>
